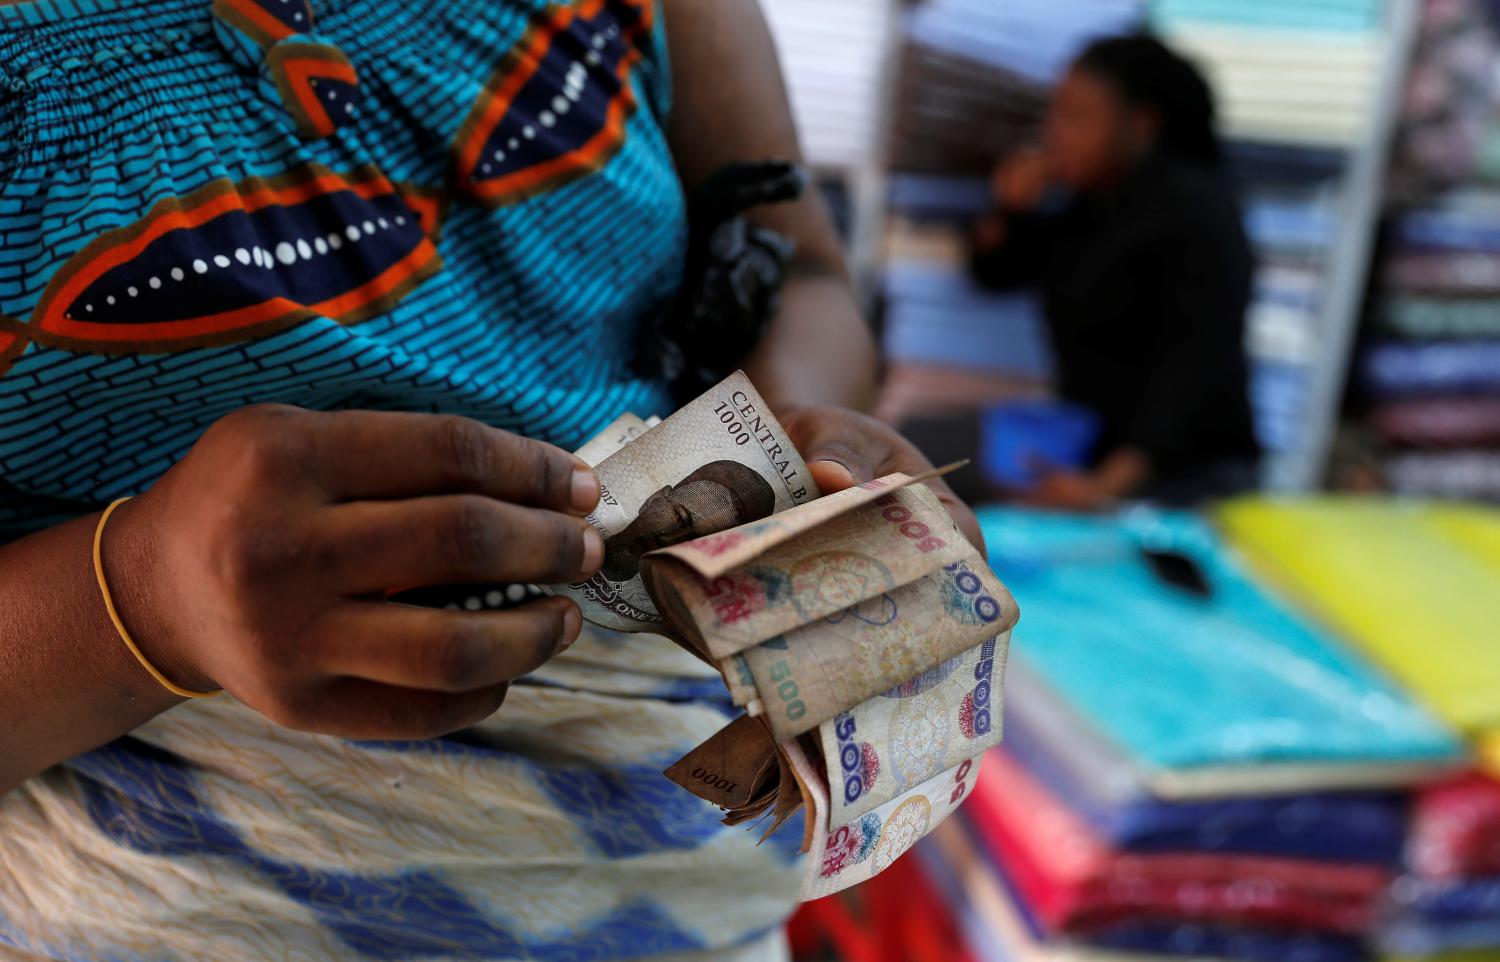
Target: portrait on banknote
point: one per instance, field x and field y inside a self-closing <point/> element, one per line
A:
<point x="714" y="497"/>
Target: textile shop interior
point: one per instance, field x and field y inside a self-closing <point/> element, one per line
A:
<point x="1253" y="702"/>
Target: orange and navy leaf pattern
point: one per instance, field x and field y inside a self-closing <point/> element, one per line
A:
<point x="318" y="85"/>
<point x="556" y="108"/>
<point x="266" y="23"/>
<point x="232" y="261"/>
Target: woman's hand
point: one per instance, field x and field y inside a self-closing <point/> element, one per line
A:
<point x="843" y="448"/>
<point x="1020" y="181"/>
<point x="1067" y="491"/>
<point x="259" y="564"/>
<point x="1120" y="475"/>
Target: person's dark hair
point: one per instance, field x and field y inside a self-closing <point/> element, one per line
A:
<point x="1150" y="74"/>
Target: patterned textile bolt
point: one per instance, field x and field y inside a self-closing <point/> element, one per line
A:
<point x="432" y="206"/>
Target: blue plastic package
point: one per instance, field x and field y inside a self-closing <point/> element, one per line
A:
<point x="1022" y="439"/>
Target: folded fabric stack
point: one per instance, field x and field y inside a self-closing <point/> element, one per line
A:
<point x="1188" y="767"/>
<point x="1414" y="585"/>
<point x="975" y="74"/>
<point x="953" y="345"/>
<point x="1447" y="110"/>
<point x="1431" y="372"/>
<point x="1292" y="228"/>
<point x="1285" y="71"/>
<point x="956" y="115"/>
<point x="1453" y="114"/>
<point x="936" y="315"/>
<point x="1431" y="396"/>
<point x="1036" y="39"/>
<point x="1359" y="16"/>
<point x="1449" y="901"/>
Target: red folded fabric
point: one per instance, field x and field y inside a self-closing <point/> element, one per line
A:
<point x="1441" y="422"/>
<point x="1073" y="881"/>
<point x="1455" y="829"/>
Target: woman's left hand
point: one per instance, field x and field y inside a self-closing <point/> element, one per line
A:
<point x="1121" y="474"/>
<point x="1067" y="491"/>
<point x="843" y="448"/>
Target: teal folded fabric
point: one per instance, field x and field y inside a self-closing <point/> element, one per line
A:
<point x="1333" y="15"/>
<point x="1181" y="682"/>
<point x="1432" y="317"/>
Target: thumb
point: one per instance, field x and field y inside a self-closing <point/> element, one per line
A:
<point x="831" y="476"/>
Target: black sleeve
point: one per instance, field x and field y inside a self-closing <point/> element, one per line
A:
<point x="1197" y="361"/>
<point x="1023" y="254"/>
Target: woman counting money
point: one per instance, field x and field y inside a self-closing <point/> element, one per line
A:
<point x="302" y="303"/>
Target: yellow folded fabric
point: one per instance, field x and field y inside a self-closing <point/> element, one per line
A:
<point x="1415" y="585"/>
<point x="1489" y="756"/>
<point x="1474" y="527"/>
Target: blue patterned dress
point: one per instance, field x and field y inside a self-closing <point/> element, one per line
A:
<point x="431" y="205"/>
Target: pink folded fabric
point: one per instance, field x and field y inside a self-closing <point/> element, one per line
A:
<point x="1445" y="422"/>
<point x="1467" y="274"/>
<point x="1073" y="881"/>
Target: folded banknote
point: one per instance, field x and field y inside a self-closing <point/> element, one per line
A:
<point x="863" y="634"/>
<point x="721" y="461"/>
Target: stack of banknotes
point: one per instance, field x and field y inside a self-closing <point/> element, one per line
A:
<point x="862" y="633"/>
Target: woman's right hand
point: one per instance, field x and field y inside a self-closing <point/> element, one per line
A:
<point x="259" y="563"/>
<point x="1020" y="181"/>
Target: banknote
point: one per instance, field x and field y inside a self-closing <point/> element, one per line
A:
<point x="714" y="555"/>
<point x="737" y="589"/>
<point x="805" y="677"/>
<point x="721" y="461"/>
<point x="733" y="769"/>
<point x="865" y="614"/>
<point x="620" y="432"/>
<point x="802" y="772"/>
<point x="902" y="737"/>
<point x="839" y="857"/>
<point x="742" y="770"/>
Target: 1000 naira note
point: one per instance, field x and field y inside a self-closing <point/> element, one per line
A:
<point x="720" y="462"/>
<point x="620" y="432"/>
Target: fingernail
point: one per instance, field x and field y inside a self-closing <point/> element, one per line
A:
<point x="593" y="552"/>
<point x="572" y="626"/>
<point x="585" y="489"/>
<point x="824" y="466"/>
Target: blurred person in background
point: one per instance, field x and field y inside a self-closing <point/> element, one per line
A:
<point x="1128" y="223"/>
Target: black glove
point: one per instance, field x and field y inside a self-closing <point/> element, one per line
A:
<point x="731" y="280"/>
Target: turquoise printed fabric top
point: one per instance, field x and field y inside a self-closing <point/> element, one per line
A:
<point x="1178" y="681"/>
<point x="431" y="205"/>
<point x="480" y="234"/>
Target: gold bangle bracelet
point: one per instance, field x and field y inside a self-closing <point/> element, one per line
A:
<point x="114" y="616"/>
